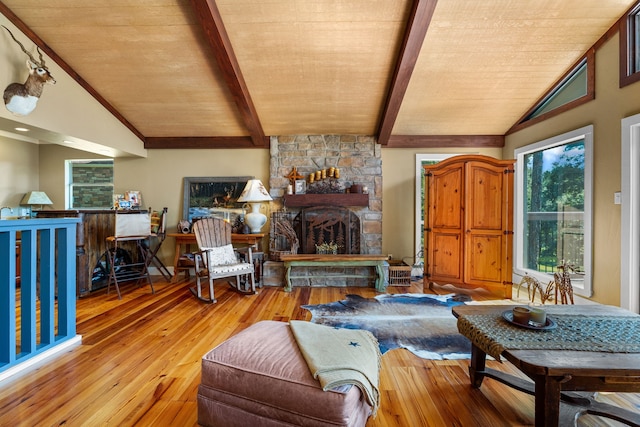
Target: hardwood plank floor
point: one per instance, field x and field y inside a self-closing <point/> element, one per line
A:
<point x="139" y="364"/>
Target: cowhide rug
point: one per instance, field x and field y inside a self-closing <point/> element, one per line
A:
<point x="421" y="323"/>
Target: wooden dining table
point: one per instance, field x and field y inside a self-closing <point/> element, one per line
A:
<point x="560" y="374"/>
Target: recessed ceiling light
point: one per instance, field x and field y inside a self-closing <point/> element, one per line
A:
<point x="22" y="129"/>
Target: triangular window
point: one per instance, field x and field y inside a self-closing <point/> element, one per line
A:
<point x="575" y="88"/>
<point x="572" y="87"/>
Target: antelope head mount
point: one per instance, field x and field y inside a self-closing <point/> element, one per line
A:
<point x="21" y="98"/>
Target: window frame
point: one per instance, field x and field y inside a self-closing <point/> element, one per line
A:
<point x="630" y="214"/>
<point x="68" y="194"/>
<point x="581" y="285"/>
<point x="628" y="47"/>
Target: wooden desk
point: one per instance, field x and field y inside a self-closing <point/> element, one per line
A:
<point x="314" y="260"/>
<point x="558" y="374"/>
<point x="189" y="239"/>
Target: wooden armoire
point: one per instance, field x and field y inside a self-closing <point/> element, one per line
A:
<point x="468" y="234"/>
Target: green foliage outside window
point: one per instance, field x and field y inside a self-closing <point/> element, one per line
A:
<point x="554" y="208"/>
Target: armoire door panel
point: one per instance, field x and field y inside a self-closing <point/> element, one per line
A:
<point x="484" y="254"/>
<point x="446" y="257"/>
<point x="445" y="197"/>
<point x="484" y="193"/>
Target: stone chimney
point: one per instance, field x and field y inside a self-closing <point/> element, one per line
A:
<point x="357" y="157"/>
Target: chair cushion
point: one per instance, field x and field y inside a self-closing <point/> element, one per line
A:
<point x="238" y="268"/>
<point x="221" y="255"/>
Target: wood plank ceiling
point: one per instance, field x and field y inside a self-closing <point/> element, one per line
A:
<point x="229" y="73"/>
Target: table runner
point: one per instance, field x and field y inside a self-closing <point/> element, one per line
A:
<point x="612" y="334"/>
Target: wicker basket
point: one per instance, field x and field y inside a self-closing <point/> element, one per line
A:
<point x="399" y="273"/>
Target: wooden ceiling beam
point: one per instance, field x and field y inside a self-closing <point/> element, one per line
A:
<point x="203" y="142"/>
<point x="445" y="141"/>
<point x="417" y="25"/>
<point x="216" y="34"/>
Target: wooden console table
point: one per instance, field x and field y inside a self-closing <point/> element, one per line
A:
<point x="314" y="260"/>
<point x="189" y="239"/>
<point x="558" y="374"/>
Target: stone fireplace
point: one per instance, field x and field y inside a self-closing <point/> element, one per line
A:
<point x="357" y="157"/>
<point x="354" y="227"/>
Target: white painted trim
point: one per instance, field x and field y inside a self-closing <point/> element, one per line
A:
<point x="582" y="287"/>
<point x="630" y="215"/>
<point x="35" y="361"/>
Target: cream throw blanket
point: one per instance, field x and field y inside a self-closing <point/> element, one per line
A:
<point x="341" y="356"/>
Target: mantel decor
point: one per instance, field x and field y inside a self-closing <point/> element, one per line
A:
<point x="326" y="186"/>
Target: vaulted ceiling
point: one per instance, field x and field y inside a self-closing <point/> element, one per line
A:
<point x="229" y="73"/>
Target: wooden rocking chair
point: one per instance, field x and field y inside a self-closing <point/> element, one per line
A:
<point x="217" y="258"/>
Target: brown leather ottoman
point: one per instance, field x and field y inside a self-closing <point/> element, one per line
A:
<point x="259" y="378"/>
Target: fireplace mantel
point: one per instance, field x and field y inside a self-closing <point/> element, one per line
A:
<point x="337" y="199"/>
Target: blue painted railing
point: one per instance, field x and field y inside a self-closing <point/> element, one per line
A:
<point x="47" y="281"/>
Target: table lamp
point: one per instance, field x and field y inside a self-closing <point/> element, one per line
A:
<point x="32" y="198"/>
<point x="254" y="193"/>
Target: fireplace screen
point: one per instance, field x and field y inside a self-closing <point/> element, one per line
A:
<point x="328" y="227"/>
<point x="314" y="230"/>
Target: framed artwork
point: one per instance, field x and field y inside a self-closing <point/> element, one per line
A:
<point x="117" y="198"/>
<point x="213" y="197"/>
<point x="300" y="187"/>
<point x="134" y="198"/>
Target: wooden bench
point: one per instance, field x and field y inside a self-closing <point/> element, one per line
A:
<point x="313" y="260"/>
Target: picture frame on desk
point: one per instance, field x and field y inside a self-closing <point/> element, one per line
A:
<point x="134" y="198"/>
<point x="117" y="198"/>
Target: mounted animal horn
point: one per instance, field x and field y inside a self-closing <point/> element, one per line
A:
<point x="21" y="98"/>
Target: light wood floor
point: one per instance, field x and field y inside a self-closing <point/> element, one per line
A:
<point x="139" y="364"/>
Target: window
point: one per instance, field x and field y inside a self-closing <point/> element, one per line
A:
<point x="575" y="88"/>
<point x="572" y="87"/>
<point x="89" y="184"/>
<point x="630" y="47"/>
<point x="553" y="208"/>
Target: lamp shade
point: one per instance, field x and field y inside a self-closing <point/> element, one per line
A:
<point x="254" y="191"/>
<point x="35" y="198"/>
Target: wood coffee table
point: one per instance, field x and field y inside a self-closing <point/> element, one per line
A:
<point x="558" y="374"/>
